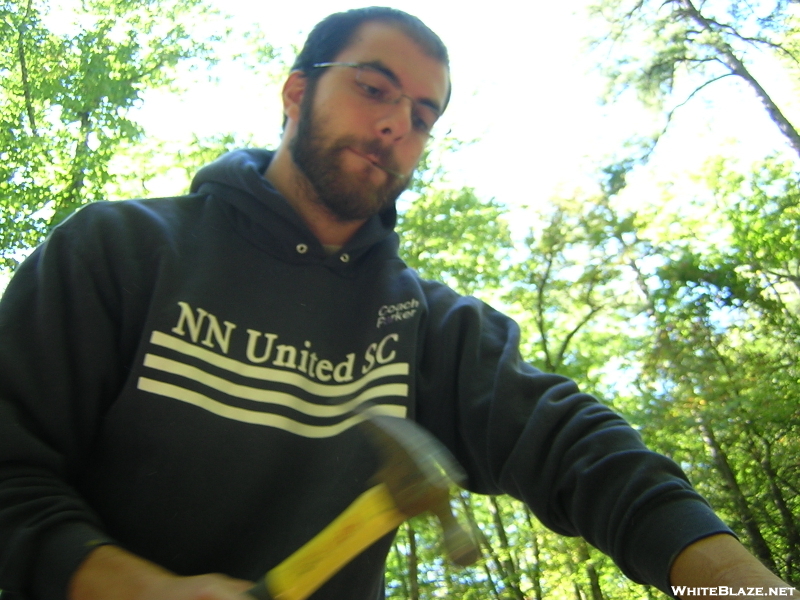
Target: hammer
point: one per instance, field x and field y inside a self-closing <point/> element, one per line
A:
<point x="416" y="476"/>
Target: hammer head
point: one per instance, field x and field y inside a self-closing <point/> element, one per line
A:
<point x="419" y="473"/>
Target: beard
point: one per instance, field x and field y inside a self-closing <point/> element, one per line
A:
<point x="348" y="196"/>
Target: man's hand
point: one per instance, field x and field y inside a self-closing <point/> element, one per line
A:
<point x="111" y="572"/>
<point x="201" y="587"/>
<point x="720" y="561"/>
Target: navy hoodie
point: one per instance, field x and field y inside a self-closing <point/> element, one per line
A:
<point x="182" y="376"/>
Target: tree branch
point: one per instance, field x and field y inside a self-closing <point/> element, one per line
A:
<point x="565" y="343"/>
<point x="737" y="67"/>
<point x="756" y="41"/>
<point x="696" y="91"/>
<point x="26" y="86"/>
<point x="540" y="313"/>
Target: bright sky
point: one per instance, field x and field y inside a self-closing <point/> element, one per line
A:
<point x="522" y="85"/>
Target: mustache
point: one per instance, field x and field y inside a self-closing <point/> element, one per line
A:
<point x="385" y="155"/>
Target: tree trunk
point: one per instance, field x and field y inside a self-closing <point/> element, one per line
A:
<point x="577" y="589"/>
<point x="70" y="197"/>
<point x="506" y="560"/>
<point x="412" y="563"/>
<point x="759" y="545"/>
<point x="23" y="65"/>
<point x="594" y="579"/>
<point x="535" y="572"/>
<point x="737" y="67"/>
<point x="402" y="575"/>
<point x="478" y="535"/>
<point x="788" y="521"/>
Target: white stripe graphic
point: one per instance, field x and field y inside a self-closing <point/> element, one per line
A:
<point x="267" y="419"/>
<point x="270" y="396"/>
<point x="266" y="374"/>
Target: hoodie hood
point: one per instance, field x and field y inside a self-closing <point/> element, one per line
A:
<point x="237" y="178"/>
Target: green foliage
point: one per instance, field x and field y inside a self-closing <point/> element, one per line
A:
<point x="764" y="213"/>
<point x="718" y="384"/>
<point x="453" y="236"/>
<point x="68" y="91"/>
<point x="573" y="282"/>
<point x="167" y="165"/>
<point x="694" y="341"/>
<point x="521" y="560"/>
<point x="450" y="234"/>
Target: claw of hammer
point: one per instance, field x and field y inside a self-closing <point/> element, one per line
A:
<point x="409" y="451"/>
<point x="416" y="476"/>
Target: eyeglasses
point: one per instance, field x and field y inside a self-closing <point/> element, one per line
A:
<point x="375" y="85"/>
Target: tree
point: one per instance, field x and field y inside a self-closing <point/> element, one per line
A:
<point x="671" y="51"/>
<point x="718" y="379"/>
<point x="763" y="209"/>
<point x="453" y="236"/>
<point x="68" y="97"/>
<point x="572" y="293"/>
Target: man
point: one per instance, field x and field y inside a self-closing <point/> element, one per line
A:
<point x="180" y="378"/>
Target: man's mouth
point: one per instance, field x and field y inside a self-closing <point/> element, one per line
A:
<point x="376" y="161"/>
<point x="387" y="169"/>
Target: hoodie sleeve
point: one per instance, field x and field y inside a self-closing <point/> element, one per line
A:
<point x="63" y="359"/>
<point x="578" y="465"/>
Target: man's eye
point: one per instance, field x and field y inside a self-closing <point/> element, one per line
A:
<point x="371" y="91"/>
<point x="423" y="118"/>
<point x="419" y="124"/>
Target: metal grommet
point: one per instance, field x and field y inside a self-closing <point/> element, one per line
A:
<point x="302" y="248"/>
<point x="344" y="258"/>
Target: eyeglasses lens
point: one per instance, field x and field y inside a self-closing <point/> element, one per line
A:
<point x="379" y="87"/>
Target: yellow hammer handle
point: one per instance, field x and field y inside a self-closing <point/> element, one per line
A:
<point x="371" y="516"/>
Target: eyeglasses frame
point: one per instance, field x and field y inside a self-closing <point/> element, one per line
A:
<point x="390" y="77"/>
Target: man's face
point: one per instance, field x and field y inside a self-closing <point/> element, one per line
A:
<point x="357" y="154"/>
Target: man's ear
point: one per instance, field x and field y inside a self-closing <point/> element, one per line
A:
<point x="292" y="94"/>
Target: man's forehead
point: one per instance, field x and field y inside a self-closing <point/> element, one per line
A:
<point x="388" y="45"/>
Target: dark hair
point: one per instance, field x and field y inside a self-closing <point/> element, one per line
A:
<point x="334" y="33"/>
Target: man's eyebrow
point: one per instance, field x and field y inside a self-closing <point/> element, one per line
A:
<point x="381" y="66"/>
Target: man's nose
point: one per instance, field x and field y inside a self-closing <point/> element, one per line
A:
<point x="395" y="122"/>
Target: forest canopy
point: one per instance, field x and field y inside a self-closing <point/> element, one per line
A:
<point x="681" y="310"/>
